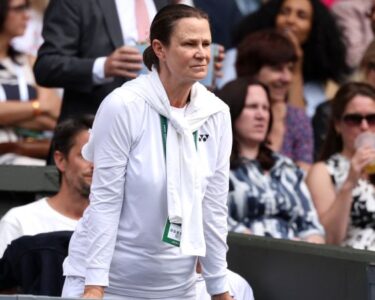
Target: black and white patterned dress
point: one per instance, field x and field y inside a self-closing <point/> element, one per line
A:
<point x="277" y="204"/>
<point x="17" y="83"/>
<point x="361" y="233"/>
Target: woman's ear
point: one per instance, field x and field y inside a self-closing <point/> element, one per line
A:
<point x="158" y="48"/>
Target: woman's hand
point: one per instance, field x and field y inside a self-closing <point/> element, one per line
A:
<point x="93" y="291"/>
<point x="50" y="106"/>
<point x="224" y="296"/>
<point x="279" y="112"/>
<point x="297" y="47"/>
<point x="296" y="95"/>
<point x="315" y="239"/>
<point x="361" y="158"/>
<point x="218" y="61"/>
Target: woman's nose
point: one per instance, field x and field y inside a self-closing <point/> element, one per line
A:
<point x="364" y="125"/>
<point x="286" y="75"/>
<point x="290" y="18"/>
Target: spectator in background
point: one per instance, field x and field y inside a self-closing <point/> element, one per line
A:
<point x="61" y="211"/>
<point x="343" y="197"/>
<point x="321" y="119"/>
<point x="319" y="44"/>
<point x="31" y="40"/>
<point x="90" y="48"/>
<point x="270" y="56"/>
<point x="267" y="192"/>
<point x="351" y="16"/>
<point x="26" y="110"/>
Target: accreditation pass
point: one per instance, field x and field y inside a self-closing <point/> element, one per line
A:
<point x="172" y="233"/>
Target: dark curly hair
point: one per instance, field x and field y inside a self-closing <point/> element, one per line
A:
<point x="4" y="9"/>
<point x="324" y="51"/>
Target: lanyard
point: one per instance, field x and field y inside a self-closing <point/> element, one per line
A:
<point x="164" y="131"/>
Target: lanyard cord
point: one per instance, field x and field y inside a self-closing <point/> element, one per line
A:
<point x="164" y="131"/>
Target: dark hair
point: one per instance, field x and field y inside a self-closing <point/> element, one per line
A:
<point x="324" y="51"/>
<point x="268" y="47"/>
<point x="67" y="130"/>
<point x="234" y="95"/>
<point x="162" y="27"/>
<point x="344" y="95"/>
<point x="4" y="10"/>
<point x="368" y="58"/>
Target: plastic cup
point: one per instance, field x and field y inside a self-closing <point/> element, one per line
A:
<point x="367" y="139"/>
<point x="209" y="80"/>
<point x="141" y="48"/>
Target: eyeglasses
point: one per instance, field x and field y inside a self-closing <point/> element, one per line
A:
<point x="356" y="119"/>
<point x="20" y="8"/>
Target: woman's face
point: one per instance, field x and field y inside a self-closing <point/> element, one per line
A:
<point x="252" y="124"/>
<point x="187" y="57"/>
<point x="296" y="16"/>
<point x="277" y="79"/>
<point x="352" y="122"/>
<point x="16" y="19"/>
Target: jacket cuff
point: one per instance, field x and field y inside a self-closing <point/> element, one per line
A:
<point x="95" y="276"/>
<point x="217" y="285"/>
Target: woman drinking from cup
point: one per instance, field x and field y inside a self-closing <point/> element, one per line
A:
<point x="339" y="185"/>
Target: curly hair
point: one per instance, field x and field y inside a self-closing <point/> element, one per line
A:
<point x="324" y="51"/>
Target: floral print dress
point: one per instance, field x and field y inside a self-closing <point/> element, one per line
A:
<point x="361" y="229"/>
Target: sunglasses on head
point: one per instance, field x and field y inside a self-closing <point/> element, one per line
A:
<point x="356" y="119"/>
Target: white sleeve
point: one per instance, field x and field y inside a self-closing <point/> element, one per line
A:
<point x="98" y="75"/>
<point x="111" y="140"/>
<point x="215" y="213"/>
<point x="9" y="231"/>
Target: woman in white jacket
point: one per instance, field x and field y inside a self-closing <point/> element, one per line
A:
<point x="160" y="145"/>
